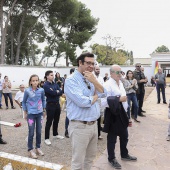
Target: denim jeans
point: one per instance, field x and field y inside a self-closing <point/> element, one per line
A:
<point x="0" y="98"/>
<point x="33" y="119"/>
<point x="132" y="97"/>
<point x="6" y="96"/>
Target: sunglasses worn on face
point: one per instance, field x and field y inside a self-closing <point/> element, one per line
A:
<point x="89" y="63"/>
<point x="117" y="72"/>
<point x="138" y="66"/>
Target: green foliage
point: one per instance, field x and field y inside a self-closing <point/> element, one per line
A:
<point x="161" y="49"/>
<point x="63" y="24"/>
<point x="108" y="56"/>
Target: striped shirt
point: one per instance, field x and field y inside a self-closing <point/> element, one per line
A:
<point x="79" y="98"/>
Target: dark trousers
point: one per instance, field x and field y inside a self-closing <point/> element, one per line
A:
<point x="162" y="87"/>
<point x="99" y="125"/>
<point x="0" y="133"/>
<point x="66" y="123"/>
<point x="53" y="116"/>
<point x="111" y="141"/>
<point x="6" y="96"/>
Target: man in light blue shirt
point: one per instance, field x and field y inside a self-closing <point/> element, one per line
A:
<point x="82" y="91"/>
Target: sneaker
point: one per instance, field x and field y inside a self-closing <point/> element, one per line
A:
<point x="1" y="107"/>
<point x="32" y="154"/>
<point x="39" y="152"/>
<point x="168" y="138"/>
<point x="6" y="107"/>
<point x="115" y="164"/>
<point x="100" y="137"/>
<point x="58" y="137"/>
<point x="13" y="107"/>
<point x="164" y="102"/>
<point x="47" y="142"/>
<point x="129" y="158"/>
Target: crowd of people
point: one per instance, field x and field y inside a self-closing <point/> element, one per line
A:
<point x="86" y="97"/>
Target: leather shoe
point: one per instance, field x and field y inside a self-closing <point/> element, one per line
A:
<point x="142" y="115"/>
<point x="129" y="158"/>
<point x="143" y="111"/>
<point x="66" y="134"/>
<point x="115" y="164"/>
<point x="158" y="102"/>
<point x="164" y="102"/>
<point x="2" y="141"/>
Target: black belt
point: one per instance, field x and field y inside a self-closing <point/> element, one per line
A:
<point x="84" y="122"/>
<point x="52" y="103"/>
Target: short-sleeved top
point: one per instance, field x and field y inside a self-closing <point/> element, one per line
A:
<point x="161" y="78"/>
<point x="19" y="96"/>
<point x="6" y="89"/>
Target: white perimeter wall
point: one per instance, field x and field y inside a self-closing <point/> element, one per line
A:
<point x="20" y="75"/>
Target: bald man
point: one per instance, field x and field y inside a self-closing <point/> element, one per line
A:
<point x="116" y="119"/>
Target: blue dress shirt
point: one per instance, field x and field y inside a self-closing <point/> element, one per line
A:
<point x="79" y="98"/>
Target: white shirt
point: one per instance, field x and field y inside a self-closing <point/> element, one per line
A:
<point x="114" y="90"/>
<point x="19" y="96"/>
<point x="1" y="81"/>
<point x="101" y="81"/>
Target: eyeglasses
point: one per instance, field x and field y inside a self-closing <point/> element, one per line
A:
<point x="138" y="66"/>
<point x="88" y="84"/>
<point x="117" y="72"/>
<point x="89" y="63"/>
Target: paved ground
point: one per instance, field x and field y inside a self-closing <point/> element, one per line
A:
<point x="147" y="140"/>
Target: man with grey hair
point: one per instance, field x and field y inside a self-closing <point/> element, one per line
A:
<point x="116" y="119"/>
<point x="160" y="85"/>
<point x="141" y="80"/>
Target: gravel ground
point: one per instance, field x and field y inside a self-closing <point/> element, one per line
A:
<point x="60" y="150"/>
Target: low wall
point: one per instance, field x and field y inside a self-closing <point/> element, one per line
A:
<point x="20" y="75"/>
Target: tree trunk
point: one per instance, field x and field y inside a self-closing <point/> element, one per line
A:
<point x="4" y="29"/>
<point x="32" y="51"/>
<point x="1" y="23"/>
<point x="12" y="42"/>
<point x="19" y="34"/>
<point x="67" y="63"/>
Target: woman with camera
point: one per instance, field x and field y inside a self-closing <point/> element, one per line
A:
<point x="131" y="86"/>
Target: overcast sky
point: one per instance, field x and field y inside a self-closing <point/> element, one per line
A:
<point x="143" y="25"/>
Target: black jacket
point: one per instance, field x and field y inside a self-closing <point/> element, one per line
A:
<point x="116" y="119"/>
